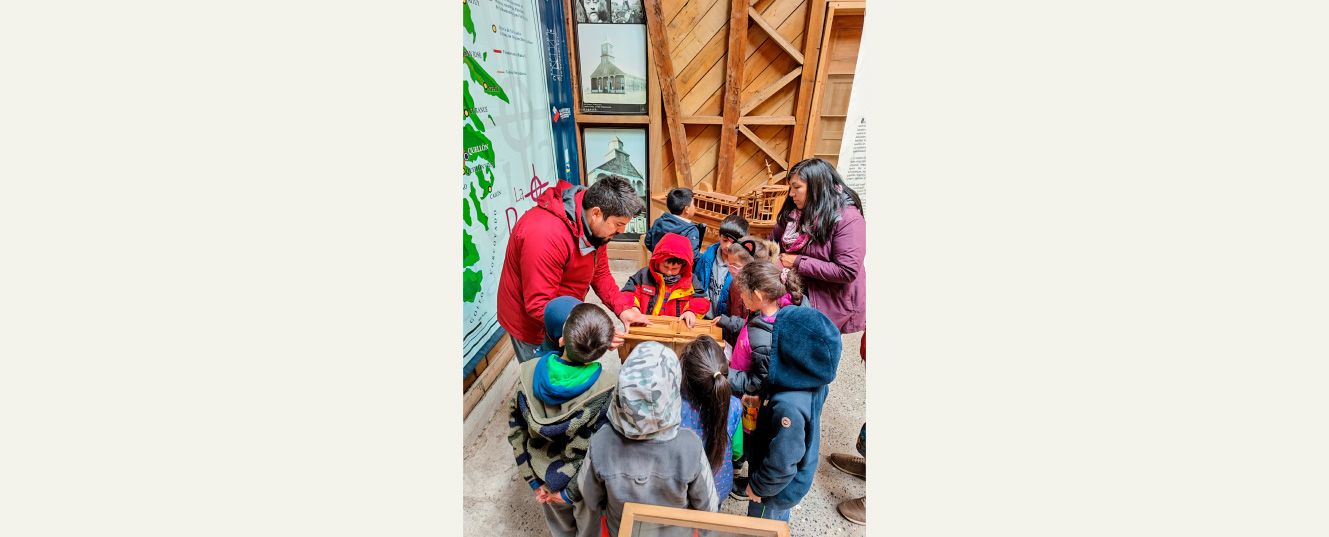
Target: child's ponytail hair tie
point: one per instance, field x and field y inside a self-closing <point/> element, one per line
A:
<point x="784" y="276"/>
<point x="716" y="375"/>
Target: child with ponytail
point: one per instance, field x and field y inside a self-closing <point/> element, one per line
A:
<point x="711" y="410"/>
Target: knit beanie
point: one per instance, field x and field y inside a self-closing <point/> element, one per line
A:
<point x="556" y="314"/>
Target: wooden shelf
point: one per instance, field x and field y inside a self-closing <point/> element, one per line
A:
<point x="597" y="119"/>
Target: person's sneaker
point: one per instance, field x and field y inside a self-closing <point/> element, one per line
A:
<point x="855" y="510"/>
<point x="850" y="464"/>
<point x="740" y="490"/>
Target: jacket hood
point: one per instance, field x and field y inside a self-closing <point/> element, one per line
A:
<point x="647" y="404"/>
<point x="805" y="350"/>
<point x="563" y="201"/>
<point x="673" y="245"/>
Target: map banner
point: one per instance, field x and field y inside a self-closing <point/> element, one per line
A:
<point x="507" y="150"/>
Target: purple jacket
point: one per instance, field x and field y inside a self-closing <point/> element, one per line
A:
<point x="833" y="272"/>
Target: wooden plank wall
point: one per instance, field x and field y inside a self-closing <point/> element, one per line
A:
<point x="698" y="32"/>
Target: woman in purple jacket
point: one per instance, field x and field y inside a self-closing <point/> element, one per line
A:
<point x="823" y="237"/>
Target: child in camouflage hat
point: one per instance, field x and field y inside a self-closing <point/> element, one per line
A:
<point x="644" y="456"/>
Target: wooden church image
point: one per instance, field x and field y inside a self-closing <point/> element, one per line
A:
<point x="609" y="78"/>
<point x="618" y="162"/>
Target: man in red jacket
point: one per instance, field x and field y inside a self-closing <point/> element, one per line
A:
<point x="558" y="249"/>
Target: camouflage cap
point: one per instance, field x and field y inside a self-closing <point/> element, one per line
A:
<point x="647" y="404"/>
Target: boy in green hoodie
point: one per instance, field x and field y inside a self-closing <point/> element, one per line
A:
<point x="561" y="400"/>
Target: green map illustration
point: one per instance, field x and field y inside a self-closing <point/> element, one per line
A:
<point x="507" y="147"/>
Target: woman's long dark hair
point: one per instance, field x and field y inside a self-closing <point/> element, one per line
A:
<point x="706" y="386"/>
<point x="823" y="202"/>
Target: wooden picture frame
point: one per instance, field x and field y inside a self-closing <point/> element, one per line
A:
<point x="644" y="518"/>
<point x="621" y="150"/>
<point x="613" y="69"/>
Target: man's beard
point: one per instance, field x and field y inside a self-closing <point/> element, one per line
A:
<point x="596" y="241"/>
<point x="590" y="237"/>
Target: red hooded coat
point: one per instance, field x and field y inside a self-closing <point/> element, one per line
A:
<point x="544" y="261"/>
<point x="652" y="296"/>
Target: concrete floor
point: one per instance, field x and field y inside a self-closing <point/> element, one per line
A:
<point x="496" y="501"/>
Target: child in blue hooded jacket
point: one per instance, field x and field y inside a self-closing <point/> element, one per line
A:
<point x="784" y="449"/>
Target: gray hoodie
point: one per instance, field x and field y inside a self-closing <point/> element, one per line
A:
<point x="644" y="456"/>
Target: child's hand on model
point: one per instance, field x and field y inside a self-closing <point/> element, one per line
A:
<point x="689" y="318"/>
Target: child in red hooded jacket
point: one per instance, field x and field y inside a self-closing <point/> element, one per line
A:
<point x="664" y="287"/>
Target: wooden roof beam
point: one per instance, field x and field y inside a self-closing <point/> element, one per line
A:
<point x="779" y="39"/>
<point x="733" y="93"/>
<point x="770" y="90"/>
<point x="763" y="147"/>
<point x="664" y="68"/>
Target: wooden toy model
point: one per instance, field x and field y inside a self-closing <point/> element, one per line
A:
<point x="671" y="331"/>
<point x="759" y="207"/>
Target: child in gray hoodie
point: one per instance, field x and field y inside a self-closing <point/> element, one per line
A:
<point x="644" y="456"/>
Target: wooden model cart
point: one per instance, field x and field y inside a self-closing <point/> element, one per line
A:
<point x="671" y="331"/>
<point x="760" y="207"/>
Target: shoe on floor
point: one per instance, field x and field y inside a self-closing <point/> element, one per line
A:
<point x="740" y="490"/>
<point x="855" y="510"/>
<point x="850" y="464"/>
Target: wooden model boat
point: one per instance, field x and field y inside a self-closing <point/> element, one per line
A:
<point x="759" y="207"/>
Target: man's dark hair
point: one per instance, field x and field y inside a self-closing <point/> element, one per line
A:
<point x="679" y="199"/>
<point x="587" y="333"/>
<point x="734" y="227"/>
<point x="614" y="196"/>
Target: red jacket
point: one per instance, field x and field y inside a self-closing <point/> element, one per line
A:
<point x="544" y="261"/>
<point x="649" y="292"/>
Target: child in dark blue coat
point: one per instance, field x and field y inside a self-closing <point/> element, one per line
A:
<point x="784" y="449"/>
<point x="679" y="221"/>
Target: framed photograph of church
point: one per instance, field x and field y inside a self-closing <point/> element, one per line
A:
<point x="621" y="152"/>
<point x="612" y="68"/>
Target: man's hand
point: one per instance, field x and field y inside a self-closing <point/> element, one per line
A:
<point x="633" y="316"/>
<point x="752" y="496"/>
<point x="787" y="260"/>
<point x="541" y="496"/>
<point x="751" y="400"/>
<point x="689" y="318"/>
